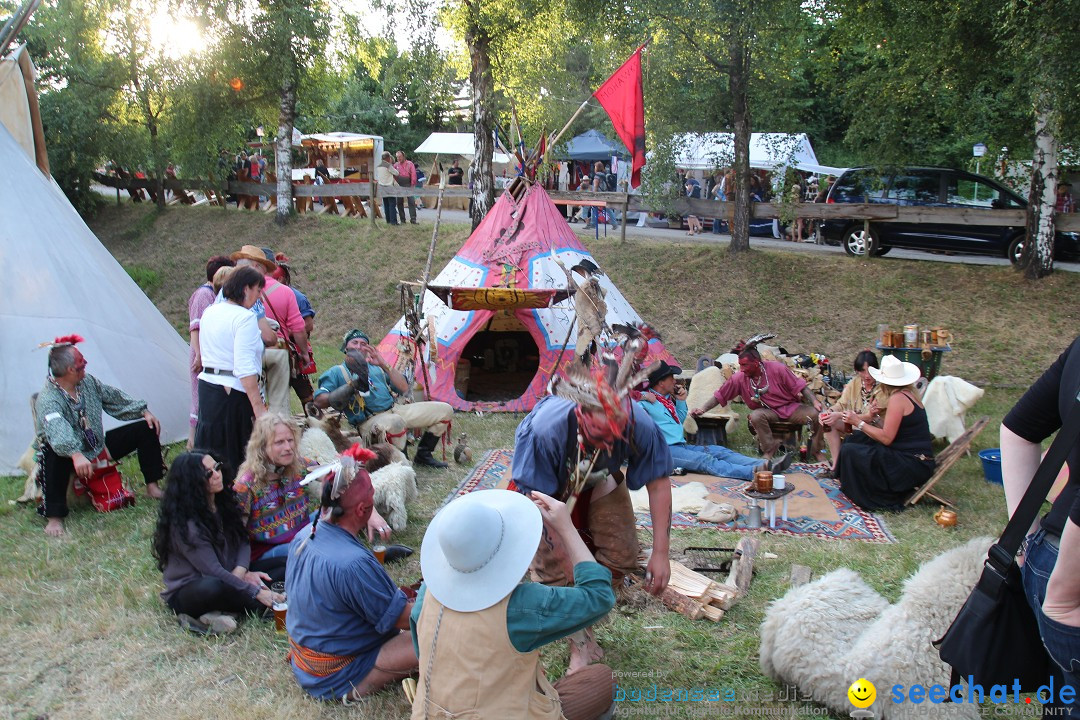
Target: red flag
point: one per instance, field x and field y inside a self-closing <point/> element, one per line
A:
<point x="621" y="97"/>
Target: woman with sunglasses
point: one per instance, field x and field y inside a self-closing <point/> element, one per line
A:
<point x="201" y="545"/>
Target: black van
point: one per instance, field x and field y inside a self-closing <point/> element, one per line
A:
<point x="932" y="187"/>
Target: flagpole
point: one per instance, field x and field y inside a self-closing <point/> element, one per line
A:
<point x="569" y="122"/>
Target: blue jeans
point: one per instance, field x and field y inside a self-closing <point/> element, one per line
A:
<point x="1062" y="642"/>
<point x="713" y="460"/>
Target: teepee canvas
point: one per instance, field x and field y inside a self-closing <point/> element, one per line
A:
<point x="59" y="279"/>
<point x="500" y="350"/>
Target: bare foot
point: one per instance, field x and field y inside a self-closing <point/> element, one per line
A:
<point x="54" y="527"/>
<point x="584" y="650"/>
<point x="154" y="491"/>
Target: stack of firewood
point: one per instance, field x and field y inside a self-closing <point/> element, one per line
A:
<point x="697" y="596"/>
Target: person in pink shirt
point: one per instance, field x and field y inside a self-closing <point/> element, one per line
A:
<point x="406" y="178"/>
<point x="278" y="306"/>
<point x="771" y="392"/>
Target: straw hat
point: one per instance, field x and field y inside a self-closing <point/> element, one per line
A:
<point x="894" y="371"/>
<point x="477" y="548"/>
<point x="251" y="252"/>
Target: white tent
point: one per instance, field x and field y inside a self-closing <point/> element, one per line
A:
<point x="768" y="151"/>
<point x="59" y="279"/>
<point x="446" y="143"/>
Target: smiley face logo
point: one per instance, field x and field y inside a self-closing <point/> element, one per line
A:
<point x="862" y="693"/>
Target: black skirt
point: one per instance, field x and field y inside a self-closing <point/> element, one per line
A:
<point x="224" y="425"/>
<point x="877" y="477"/>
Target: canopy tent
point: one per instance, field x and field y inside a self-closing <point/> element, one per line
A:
<point x="501" y="348"/>
<point x="447" y="143"/>
<point x="61" y="280"/>
<point x="768" y="151"/>
<point x="591" y="145"/>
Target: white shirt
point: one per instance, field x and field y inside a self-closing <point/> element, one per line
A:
<point x="230" y="340"/>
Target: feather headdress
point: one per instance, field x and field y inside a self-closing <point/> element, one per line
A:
<point x="63" y="340"/>
<point x="606" y="389"/>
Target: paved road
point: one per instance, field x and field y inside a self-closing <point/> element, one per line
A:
<point x="428" y="216"/>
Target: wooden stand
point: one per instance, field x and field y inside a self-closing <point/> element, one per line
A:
<point x="945" y="460"/>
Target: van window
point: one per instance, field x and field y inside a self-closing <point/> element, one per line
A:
<point x="971" y="192"/>
<point x="916" y="188"/>
<point x="858" y="186"/>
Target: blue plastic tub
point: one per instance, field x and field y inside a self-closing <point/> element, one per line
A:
<point x="991" y="462"/>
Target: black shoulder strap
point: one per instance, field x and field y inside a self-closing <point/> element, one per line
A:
<point x="1003" y="551"/>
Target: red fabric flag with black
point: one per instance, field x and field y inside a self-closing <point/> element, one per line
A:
<point x="622" y="98"/>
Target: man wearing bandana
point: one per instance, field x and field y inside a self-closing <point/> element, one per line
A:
<point x="771" y="392"/>
<point x="665" y="402"/>
<point x="70" y="437"/>
<point x="365" y="389"/>
<point x="592" y="431"/>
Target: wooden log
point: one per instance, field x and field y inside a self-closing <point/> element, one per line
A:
<point x="713" y="613"/>
<point x="673" y="600"/>
<point x="742" y="569"/>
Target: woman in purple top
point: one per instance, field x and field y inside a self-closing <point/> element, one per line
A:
<point x="202" y="550"/>
<point x="202" y="298"/>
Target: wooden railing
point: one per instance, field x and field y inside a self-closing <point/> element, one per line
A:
<point x="1065" y="222"/>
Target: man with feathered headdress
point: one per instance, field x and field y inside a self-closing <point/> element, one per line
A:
<point x="771" y="392"/>
<point x="70" y="437"/>
<point x="573" y="446"/>
<point x="346" y="616"/>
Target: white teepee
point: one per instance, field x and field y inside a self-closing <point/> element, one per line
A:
<point x="59" y="279"/>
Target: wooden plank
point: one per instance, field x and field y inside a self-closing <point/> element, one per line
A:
<point x="800" y="575"/>
<point x="946" y="459"/>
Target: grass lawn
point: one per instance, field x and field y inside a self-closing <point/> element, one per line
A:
<point x="88" y="637"/>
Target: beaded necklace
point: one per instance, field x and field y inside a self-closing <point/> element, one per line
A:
<point x="759" y="390"/>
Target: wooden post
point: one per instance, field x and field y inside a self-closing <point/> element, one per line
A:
<point x="372" y="184"/>
<point x="622" y="227"/>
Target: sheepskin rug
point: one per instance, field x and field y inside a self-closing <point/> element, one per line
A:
<point x="827" y="634"/>
<point x="395" y="487"/>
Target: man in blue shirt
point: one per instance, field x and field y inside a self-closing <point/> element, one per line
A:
<point x="591" y="438"/>
<point x="374" y="413"/>
<point x="346" y="615"/>
<point x="665" y="402"/>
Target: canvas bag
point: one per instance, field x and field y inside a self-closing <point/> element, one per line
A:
<point x="995" y="636"/>
<point x="105" y="486"/>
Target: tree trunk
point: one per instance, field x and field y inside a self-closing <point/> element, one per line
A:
<point x="283" y="151"/>
<point x="483" y="182"/>
<point x="1037" y="260"/>
<point x="737" y="81"/>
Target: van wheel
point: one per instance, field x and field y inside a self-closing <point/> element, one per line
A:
<point x="858" y="242"/>
<point x="1016" y="249"/>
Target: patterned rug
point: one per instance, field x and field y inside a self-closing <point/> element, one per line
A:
<point x="845" y="521"/>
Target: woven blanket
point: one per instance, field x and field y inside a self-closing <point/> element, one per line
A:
<point x="816" y="508"/>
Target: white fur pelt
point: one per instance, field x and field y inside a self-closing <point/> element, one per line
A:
<point x="946" y="400"/>
<point x="827" y="634"/>
<point x="395" y="486"/>
<point x="316" y="445"/>
<point x="702" y="386"/>
<point x="31" y="491"/>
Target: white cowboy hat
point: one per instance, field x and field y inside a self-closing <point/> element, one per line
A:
<point x="895" y="372"/>
<point x="477" y="548"/>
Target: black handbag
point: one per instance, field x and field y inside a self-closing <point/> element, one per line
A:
<point x="994" y="639"/>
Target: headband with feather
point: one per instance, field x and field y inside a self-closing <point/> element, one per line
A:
<point x="752" y="342"/>
<point x="605" y="390"/>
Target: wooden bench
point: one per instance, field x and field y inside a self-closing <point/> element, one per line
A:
<point x="945" y="460"/>
<point x="782" y="429"/>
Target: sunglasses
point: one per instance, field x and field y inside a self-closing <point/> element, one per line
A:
<point x="211" y="471"/>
